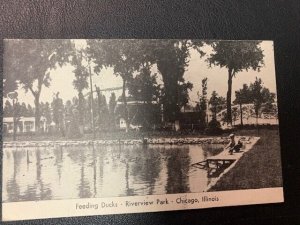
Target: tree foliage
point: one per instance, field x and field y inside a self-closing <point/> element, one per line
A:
<point x="102" y="110"/>
<point x="216" y="103"/>
<point x="242" y="96"/>
<point x="260" y="95"/>
<point x="111" y="108"/>
<point x="124" y="56"/>
<point x="172" y="58"/>
<point x="80" y="82"/>
<point x="46" y="111"/>
<point x="29" y="62"/>
<point x="236" y="56"/>
<point x="8" y="109"/>
<point x="58" y="113"/>
<point x="144" y="87"/>
<point x="202" y="104"/>
<point x="81" y="72"/>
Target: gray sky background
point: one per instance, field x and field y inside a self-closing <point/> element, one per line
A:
<point x="198" y="69"/>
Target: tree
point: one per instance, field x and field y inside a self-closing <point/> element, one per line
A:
<point x="58" y="113"/>
<point x="8" y="109"/>
<point x="102" y="109"/>
<point x="216" y="103"/>
<point x="269" y="104"/>
<point x="47" y="113"/>
<point x="23" y="109"/>
<point x="111" y="107"/>
<point x="71" y="119"/>
<point x="129" y="56"/>
<point x="203" y="97"/>
<point x="124" y="56"/>
<point x="236" y="56"/>
<point x="144" y="88"/>
<point x="16" y="117"/>
<point x="30" y="110"/>
<point x="171" y="58"/>
<point x="80" y="83"/>
<point x="74" y="130"/>
<point x="10" y="82"/>
<point x="203" y="103"/>
<point x="29" y="62"/>
<point x="13" y="110"/>
<point x="112" y="103"/>
<point x="234" y="115"/>
<point x="242" y="96"/>
<point x="260" y="95"/>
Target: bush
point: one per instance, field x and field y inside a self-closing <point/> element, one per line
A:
<point x="214" y="128"/>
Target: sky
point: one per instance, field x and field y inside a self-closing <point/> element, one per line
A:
<point x="62" y="78"/>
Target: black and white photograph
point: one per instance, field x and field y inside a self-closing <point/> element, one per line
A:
<point x="175" y="123"/>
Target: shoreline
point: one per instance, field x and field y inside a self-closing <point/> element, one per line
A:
<point x="248" y="148"/>
<point x="145" y="141"/>
<point x="264" y="156"/>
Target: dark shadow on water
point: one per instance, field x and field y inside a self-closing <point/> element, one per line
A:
<point x="84" y="185"/>
<point x="45" y="191"/>
<point x="58" y="154"/>
<point x="178" y="165"/>
<point x="145" y="168"/>
<point x="215" y="172"/>
<point x="212" y="149"/>
<point x="13" y="189"/>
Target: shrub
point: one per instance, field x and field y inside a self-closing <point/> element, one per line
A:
<point x="214" y="128"/>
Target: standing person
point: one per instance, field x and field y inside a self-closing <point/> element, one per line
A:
<point x="231" y="144"/>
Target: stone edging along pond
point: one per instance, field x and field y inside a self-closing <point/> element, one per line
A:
<point x="170" y="141"/>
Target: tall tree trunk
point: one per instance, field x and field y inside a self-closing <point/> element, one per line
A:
<point x="256" y="119"/>
<point x="215" y="113"/>
<point x="81" y="111"/>
<point x="229" y="116"/>
<point x="37" y="112"/>
<point x="241" y="112"/>
<point x="36" y="95"/>
<point x="100" y="124"/>
<point x="92" y="101"/>
<point x="125" y="105"/>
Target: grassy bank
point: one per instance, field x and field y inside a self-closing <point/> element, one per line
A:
<point x="258" y="168"/>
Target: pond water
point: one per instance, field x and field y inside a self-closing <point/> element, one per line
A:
<point x="42" y="173"/>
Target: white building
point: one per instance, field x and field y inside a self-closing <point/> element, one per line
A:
<point x="122" y="123"/>
<point x="24" y="124"/>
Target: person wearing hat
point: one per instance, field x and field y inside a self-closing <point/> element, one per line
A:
<point x="231" y="144"/>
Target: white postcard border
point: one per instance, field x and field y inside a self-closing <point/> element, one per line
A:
<point x="27" y="210"/>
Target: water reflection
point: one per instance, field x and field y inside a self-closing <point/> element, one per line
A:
<point x="13" y="189"/>
<point x="43" y="190"/>
<point x="178" y="164"/>
<point x="102" y="171"/>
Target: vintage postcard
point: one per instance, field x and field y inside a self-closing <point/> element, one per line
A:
<point x="110" y="126"/>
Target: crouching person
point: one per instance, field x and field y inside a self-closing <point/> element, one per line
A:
<point x="233" y="146"/>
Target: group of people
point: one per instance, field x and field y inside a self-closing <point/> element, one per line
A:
<point x="233" y="146"/>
